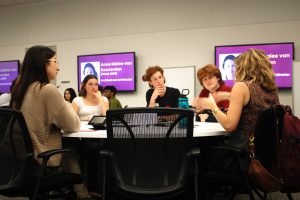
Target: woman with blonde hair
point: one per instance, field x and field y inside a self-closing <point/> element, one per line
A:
<point x="253" y="91"/>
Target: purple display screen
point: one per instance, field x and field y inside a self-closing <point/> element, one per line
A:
<point x="281" y="56"/>
<point x="9" y="70"/>
<point x="117" y="69"/>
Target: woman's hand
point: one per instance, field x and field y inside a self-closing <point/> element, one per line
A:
<point x="202" y="103"/>
<point x="220" y="96"/>
<point x="209" y="102"/>
<point x="203" y="117"/>
<point x="197" y="104"/>
<point x="104" y="105"/>
<point x="158" y="91"/>
<point x="98" y="95"/>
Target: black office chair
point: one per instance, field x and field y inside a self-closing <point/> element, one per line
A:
<point x="20" y="174"/>
<point x="150" y="154"/>
<point x="214" y="181"/>
<point x="264" y="143"/>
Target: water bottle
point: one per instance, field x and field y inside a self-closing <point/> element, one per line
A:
<point x="183" y="103"/>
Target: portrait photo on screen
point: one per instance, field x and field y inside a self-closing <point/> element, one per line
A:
<point x="117" y="69"/>
<point x="90" y="68"/>
<point x="227" y="67"/>
<point x="281" y="56"/>
<point x="9" y="70"/>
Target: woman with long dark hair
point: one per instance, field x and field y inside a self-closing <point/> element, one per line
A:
<point x="45" y="111"/>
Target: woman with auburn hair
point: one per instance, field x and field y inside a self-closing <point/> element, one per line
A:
<point x="159" y="94"/>
<point x="253" y="91"/>
<point x="210" y="78"/>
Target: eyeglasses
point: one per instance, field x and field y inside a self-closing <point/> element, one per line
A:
<point x="52" y="60"/>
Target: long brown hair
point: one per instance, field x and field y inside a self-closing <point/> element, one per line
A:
<point x="255" y="66"/>
<point x="82" y="91"/>
<point x="33" y="69"/>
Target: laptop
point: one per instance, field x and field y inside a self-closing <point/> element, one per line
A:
<point x="98" y="122"/>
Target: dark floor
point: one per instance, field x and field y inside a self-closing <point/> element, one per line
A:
<point x="272" y="196"/>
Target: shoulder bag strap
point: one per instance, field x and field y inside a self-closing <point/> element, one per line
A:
<point x="277" y="143"/>
<point x="251" y="145"/>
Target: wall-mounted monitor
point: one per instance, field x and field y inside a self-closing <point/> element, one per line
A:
<point x="9" y="70"/>
<point x="281" y="56"/>
<point x="117" y="69"/>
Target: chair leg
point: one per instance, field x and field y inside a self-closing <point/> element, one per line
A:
<point x="104" y="179"/>
<point x="196" y="173"/>
<point x="249" y="191"/>
<point x="40" y="177"/>
<point x="232" y="196"/>
<point x="259" y="194"/>
<point x="289" y="195"/>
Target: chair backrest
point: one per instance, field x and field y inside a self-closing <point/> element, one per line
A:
<point x="149" y="147"/>
<point x="266" y="148"/>
<point x="16" y="149"/>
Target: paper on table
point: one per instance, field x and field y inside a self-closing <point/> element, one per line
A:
<point x="209" y="126"/>
<point x="86" y="127"/>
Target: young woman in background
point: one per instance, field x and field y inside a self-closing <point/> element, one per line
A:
<point x="91" y="102"/>
<point x="159" y="94"/>
<point x="69" y="94"/>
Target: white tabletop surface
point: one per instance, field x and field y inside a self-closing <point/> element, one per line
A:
<point x="201" y="129"/>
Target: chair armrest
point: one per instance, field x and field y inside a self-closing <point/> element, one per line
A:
<point x="106" y="153"/>
<point x="48" y="154"/>
<point x="195" y="152"/>
<point x="45" y="157"/>
<point x="233" y="150"/>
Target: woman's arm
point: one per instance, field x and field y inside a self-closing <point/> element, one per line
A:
<point x="75" y="106"/>
<point x="60" y="112"/>
<point x="199" y="105"/>
<point x="103" y="104"/>
<point x="239" y="97"/>
<point x="155" y="94"/>
<point x="221" y="96"/>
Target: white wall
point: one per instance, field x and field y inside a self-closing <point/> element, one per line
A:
<point x="170" y="33"/>
<point x="296" y="84"/>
